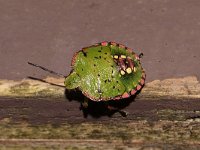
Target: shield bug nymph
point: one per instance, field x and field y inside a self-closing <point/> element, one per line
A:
<point x="106" y="71"/>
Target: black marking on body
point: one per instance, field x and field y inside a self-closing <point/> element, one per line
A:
<point x="96" y="57"/>
<point x="100" y="57"/>
<point x="99" y="51"/>
<point x="84" y="53"/>
<point x="99" y="91"/>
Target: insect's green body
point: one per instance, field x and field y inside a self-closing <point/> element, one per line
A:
<point x="106" y="71"/>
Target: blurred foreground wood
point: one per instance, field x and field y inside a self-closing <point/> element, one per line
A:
<point x="35" y="115"/>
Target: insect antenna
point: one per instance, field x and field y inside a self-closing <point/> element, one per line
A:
<point x="44" y="81"/>
<point x="47" y="70"/>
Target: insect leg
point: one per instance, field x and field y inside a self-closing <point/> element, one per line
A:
<point x="122" y="113"/>
<point x="84" y="104"/>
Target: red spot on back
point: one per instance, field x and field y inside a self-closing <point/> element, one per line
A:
<point x="104" y="43"/>
<point x="142" y="81"/>
<point x="125" y="95"/>
<point x="138" y="87"/>
<point x="133" y="92"/>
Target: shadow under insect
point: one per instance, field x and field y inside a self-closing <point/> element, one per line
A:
<point x="97" y="65"/>
<point x="94" y="108"/>
<point x="101" y="108"/>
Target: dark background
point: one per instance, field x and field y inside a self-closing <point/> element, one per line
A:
<point x="48" y="32"/>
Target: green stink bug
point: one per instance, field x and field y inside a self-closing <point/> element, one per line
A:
<point x="103" y="72"/>
<point x="106" y="71"/>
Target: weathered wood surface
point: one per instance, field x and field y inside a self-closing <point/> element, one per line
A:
<point x="35" y="115"/>
<point x="187" y="87"/>
<point x="41" y="123"/>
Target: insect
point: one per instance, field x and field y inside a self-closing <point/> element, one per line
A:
<point x="105" y="71"/>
